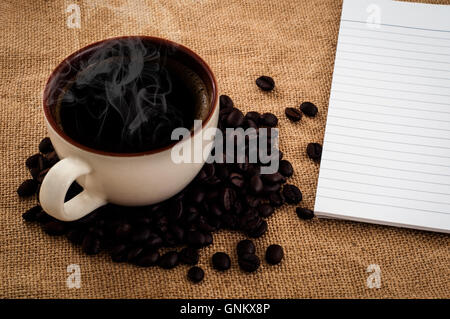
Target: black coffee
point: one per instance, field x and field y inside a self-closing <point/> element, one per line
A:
<point x="128" y="96"/>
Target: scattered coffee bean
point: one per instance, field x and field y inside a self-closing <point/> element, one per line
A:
<point x="31" y="214"/>
<point x="249" y="262"/>
<point x="195" y="238"/>
<point x="225" y="102"/>
<point x="285" y="168"/>
<point x="293" y="114"/>
<point x="169" y="260"/>
<point x="195" y="274"/>
<point x="34" y="161"/>
<point x="76" y="236"/>
<point x="221" y="261"/>
<point x="309" y="109"/>
<point x="235" y="118"/>
<point x="268" y="119"/>
<point x="27" y="188"/>
<point x="55" y="228"/>
<point x="259" y="230"/>
<point x="91" y="244"/>
<point x="304" y="213"/>
<point x="265" y="83"/>
<point x="245" y="246"/>
<point x="134" y="254"/>
<point x="265" y="210"/>
<point x="256" y="184"/>
<point x="292" y="194"/>
<point x="148" y="258"/>
<point x="314" y="151"/>
<point x="253" y="116"/>
<point x="276" y="199"/>
<point x="189" y="256"/>
<point x="45" y="146"/>
<point x="274" y="254"/>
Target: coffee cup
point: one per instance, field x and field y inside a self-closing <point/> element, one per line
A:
<point x="122" y="178"/>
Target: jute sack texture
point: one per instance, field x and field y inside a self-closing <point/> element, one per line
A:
<point x="292" y="41"/>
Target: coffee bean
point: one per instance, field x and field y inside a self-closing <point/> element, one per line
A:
<point x="253" y="116"/>
<point x="259" y="230"/>
<point x="76" y="236"/>
<point x="293" y="114"/>
<point x="225" y="102"/>
<point x="237" y="180"/>
<point x="208" y="239"/>
<point x="245" y="246"/>
<point x="276" y="199"/>
<point x="195" y="274"/>
<point x="268" y="119"/>
<point x="195" y="238"/>
<point x="265" y="83"/>
<point x="228" y="198"/>
<point x="123" y="230"/>
<point x="55" y="228"/>
<point x="221" y="261"/>
<point x="51" y="158"/>
<point x="169" y="260"/>
<point x="265" y="210"/>
<point x="189" y="256"/>
<point x="45" y="146"/>
<point x="31" y="214"/>
<point x="249" y="262"/>
<point x="309" y="109"/>
<point x="91" y="244"/>
<point x="235" y="118"/>
<point x="34" y="161"/>
<point x="304" y="213"/>
<point x="256" y="184"/>
<point x="119" y="253"/>
<point x="285" y="168"/>
<point x="134" y="253"/>
<point x="273" y="178"/>
<point x="292" y="194"/>
<point x="148" y="258"/>
<point x="252" y="201"/>
<point x="154" y="241"/>
<point x="314" y="151"/>
<point x="27" y="188"/>
<point x="40" y="177"/>
<point x="140" y="235"/>
<point x="274" y="254"/>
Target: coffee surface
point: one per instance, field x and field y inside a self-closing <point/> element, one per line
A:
<point x="129" y="96"/>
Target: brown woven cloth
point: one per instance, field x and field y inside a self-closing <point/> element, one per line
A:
<point x="292" y="41"/>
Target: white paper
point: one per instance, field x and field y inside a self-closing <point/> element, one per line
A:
<point x="386" y="156"/>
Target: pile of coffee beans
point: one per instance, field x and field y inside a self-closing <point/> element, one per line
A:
<point x="233" y="196"/>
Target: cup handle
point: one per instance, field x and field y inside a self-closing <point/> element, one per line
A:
<point x="54" y="188"/>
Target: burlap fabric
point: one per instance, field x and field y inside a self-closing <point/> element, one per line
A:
<point x="292" y="41"/>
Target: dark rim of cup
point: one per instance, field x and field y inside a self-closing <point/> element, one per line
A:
<point x="164" y="42"/>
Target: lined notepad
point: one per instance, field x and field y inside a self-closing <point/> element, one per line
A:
<point x="386" y="155"/>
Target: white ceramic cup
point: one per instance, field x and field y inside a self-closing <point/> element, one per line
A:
<point x="130" y="179"/>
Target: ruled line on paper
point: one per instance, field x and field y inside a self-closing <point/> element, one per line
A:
<point x="396" y="33"/>
<point x="395" y="41"/>
<point x="389" y="89"/>
<point x="396" y="65"/>
<point x="390" y="81"/>
<point x="392" y="73"/>
<point x="398" y="26"/>
<point x="393" y="49"/>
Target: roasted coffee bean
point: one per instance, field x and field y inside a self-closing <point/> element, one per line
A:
<point x="123" y="230"/>
<point x="273" y="178"/>
<point x="249" y="262"/>
<point x="276" y="199"/>
<point x="148" y="258"/>
<point x="51" y="158"/>
<point x="265" y="83"/>
<point x="31" y="214"/>
<point x="259" y="230"/>
<point x="221" y="261"/>
<point x="34" y="161"/>
<point x="195" y="238"/>
<point x="285" y="168"/>
<point x="215" y="209"/>
<point x="228" y="198"/>
<point x="304" y="213"/>
<point x="196" y="195"/>
<point x="265" y="210"/>
<point x="253" y="116"/>
<point x="140" y="235"/>
<point x="55" y="228"/>
<point x="274" y="254"/>
<point x="314" y="151"/>
<point x="76" y="236"/>
<point x="119" y="253"/>
<point x="293" y="114"/>
<point x="256" y="184"/>
<point x="309" y="109"/>
<point x="237" y="180"/>
<point x="208" y="239"/>
<point x="34" y="172"/>
<point x="292" y="194"/>
<point x="154" y="241"/>
<point x="271" y="188"/>
<point x="269" y="120"/>
<point x="134" y="253"/>
<point x="169" y="260"/>
<point x="252" y="201"/>
<point x="225" y="102"/>
<point x="40" y="177"/>
<point x="91" y="244"/>
<point x="45" y="146"/>
<point x="189" y="256"/>
<point x="245" y="246"/>
<point x="43" y="217"/>
<point x="235" y="118"/>
<point x="195" y="274"/>
<point x="27" y="188"/>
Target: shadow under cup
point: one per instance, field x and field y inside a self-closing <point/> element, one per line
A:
<point x="188" y="67"/>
